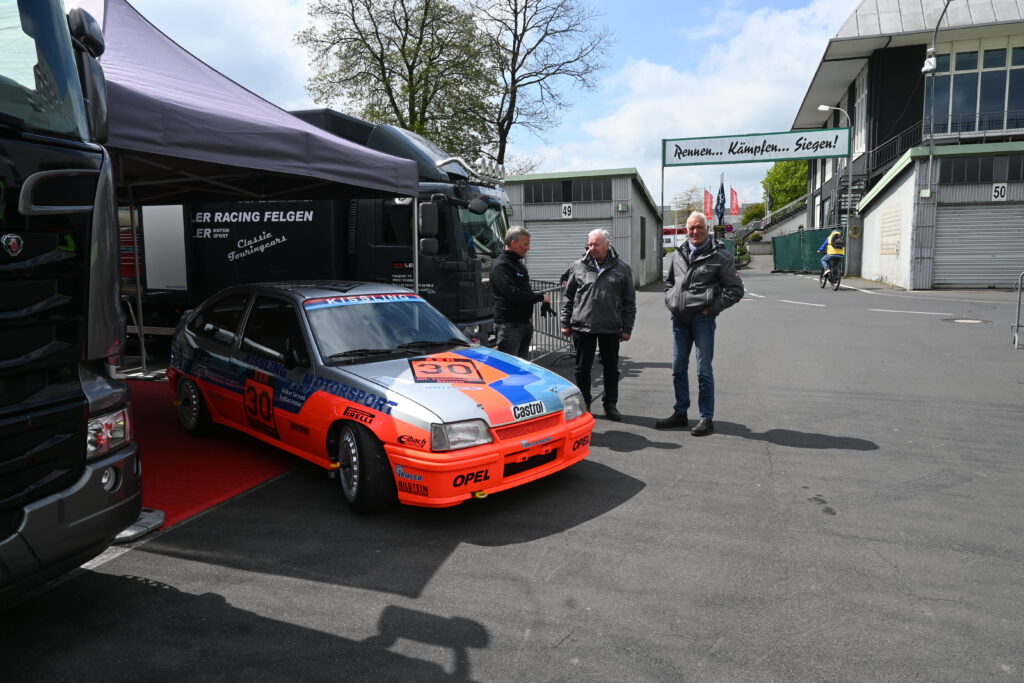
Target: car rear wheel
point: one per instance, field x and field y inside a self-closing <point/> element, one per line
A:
<point x="192" y="412"/>
<point x="364" y="471"/>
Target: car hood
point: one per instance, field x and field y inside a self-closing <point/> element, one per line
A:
<point x="471" y="383"/>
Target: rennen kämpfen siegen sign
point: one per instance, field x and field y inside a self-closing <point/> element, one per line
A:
<point x="753" y="147"/>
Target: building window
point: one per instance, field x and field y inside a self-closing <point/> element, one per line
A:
<point x="557" y="191"/>
<point x="978" y="89"/>
<point x="643" y="238"/>
<point x="987" y="169"/>
<point x="860" y="112"/>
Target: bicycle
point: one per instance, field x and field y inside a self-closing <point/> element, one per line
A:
<point x="834" y="274"/>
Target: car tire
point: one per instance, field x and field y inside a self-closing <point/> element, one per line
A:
<point x="192" y="412"/>
<point x="364" y="472"/>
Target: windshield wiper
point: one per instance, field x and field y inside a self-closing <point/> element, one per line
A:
<point x="452" y="341"/>
<point x="360" y="352"/>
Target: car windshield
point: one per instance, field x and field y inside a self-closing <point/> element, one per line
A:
<point x="373" y="324"/>
<point x="485" y="233"/>
<point x="39" y="87"/>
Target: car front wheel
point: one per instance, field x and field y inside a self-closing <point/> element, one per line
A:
<point x="364" y="471"/>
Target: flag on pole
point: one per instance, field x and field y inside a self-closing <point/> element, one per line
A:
<point x="709" y="201"/>
<point x="734" y="202"/>
<point x="720" y="201"/>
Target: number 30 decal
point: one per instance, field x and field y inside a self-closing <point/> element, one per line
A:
<point x="259" y="406"/>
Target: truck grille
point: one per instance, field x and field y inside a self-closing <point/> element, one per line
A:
<point x="42" y="314"/>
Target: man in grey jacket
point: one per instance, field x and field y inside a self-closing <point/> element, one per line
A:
<point x="598" y="310"/>
<point x="702" y="282"/>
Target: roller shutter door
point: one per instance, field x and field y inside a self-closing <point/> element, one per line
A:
<point x="979" y="245"/>
<point x="554" y="245"/>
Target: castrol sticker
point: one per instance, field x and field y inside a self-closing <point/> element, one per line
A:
<point x="525" y="411"/>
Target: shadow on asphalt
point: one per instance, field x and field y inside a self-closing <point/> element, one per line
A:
<point x="283" y="528"/>
<point x="126" y="628"/>
<point x="795" y="439"/>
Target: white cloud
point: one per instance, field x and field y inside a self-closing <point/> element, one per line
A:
<point x="751" y="82"/>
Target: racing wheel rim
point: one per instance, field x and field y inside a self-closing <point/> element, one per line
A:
<point x="189" y="404"/>
<point x="348" y="459"/>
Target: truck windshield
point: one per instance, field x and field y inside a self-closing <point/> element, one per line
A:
<point x="485" y="233"/>
<point x="39" y="87"/>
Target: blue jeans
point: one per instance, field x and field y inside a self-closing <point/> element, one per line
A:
<point x="514" y="338"/>
<point x="829" y="257"/>
<point x="699" y="330"/>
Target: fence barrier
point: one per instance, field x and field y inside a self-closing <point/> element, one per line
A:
<point x="547" y="332"/>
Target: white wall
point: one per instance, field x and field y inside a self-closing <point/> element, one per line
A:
<point x="888" y="224"/>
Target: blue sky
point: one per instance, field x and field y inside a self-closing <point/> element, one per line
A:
<point x="676" y="70"/>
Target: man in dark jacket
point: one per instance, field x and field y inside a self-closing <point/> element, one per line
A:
<point x="702" y="282"/>
<point x="513" y="296"/>
<point x="598" y="310"/>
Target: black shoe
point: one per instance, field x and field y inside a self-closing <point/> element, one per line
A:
<point x="703" y="428"/>
<point x="675" y="420"/>
<point x="612" y="413"/>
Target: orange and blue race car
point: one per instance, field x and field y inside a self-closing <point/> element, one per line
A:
<point x="370" y="381"/>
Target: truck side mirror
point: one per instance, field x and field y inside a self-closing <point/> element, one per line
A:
<point x="478" y="206"/>
<point x="428" y="246"/>
<point x="89" y="45"/>
<point x="428" y="220"/>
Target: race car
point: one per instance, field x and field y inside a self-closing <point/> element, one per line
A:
<point x="371" y="382"/>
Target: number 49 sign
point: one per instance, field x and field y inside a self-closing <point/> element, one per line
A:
<point x="566" y="210"/>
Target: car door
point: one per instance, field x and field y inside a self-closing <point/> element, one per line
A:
<point x="274" y="358"/>
<point x="214" y="330"/>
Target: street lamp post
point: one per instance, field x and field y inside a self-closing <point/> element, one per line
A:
<point x="849" y="174"/>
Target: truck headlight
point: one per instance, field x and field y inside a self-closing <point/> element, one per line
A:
<point x="573" y="405"/>
<point x="107" y="432"/>
<point x="452" y="436"/>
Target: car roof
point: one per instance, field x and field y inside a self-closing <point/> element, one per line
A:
<point x="314" y="289"/>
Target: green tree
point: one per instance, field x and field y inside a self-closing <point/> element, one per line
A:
<point x="753" y="212"/>
<point x="786" y="181"/>
<point x="422" y="65"/>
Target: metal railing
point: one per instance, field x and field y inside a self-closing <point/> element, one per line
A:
<point x="1016" y="325"/>
<point x="975" y="125"/>
<point x="547" y="332"/>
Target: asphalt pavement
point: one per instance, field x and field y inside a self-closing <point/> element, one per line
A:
<point x="856" y="516"/>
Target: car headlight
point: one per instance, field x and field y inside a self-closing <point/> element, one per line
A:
<point x="452" y="436"/>
<point x="107" y="432"/>
<point x="573" y="405"/>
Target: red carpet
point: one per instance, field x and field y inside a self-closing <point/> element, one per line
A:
<point x="184" y="475"/>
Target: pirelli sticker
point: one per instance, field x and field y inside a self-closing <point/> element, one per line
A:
<point x="445" y="370"/>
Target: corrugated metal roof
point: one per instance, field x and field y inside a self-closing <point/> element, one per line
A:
<point x="896" y="17"/>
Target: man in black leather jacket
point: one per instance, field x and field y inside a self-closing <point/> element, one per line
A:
<point x="513" y="296"/>
<point x="702" y="282"/>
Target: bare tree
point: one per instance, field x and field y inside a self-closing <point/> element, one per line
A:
<point x="685" y="203"/>
<point x="417" y="64"/>
<point x="538" y="46"/>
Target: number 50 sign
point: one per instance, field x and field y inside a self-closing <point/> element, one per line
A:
<point x="999" y="192"/>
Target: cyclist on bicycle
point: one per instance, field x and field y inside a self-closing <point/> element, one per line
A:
<point x="833" y="248"/>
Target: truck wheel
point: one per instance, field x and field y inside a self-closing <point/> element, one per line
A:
<point x="365" y="473"/>
<point x="192" y="412"/>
